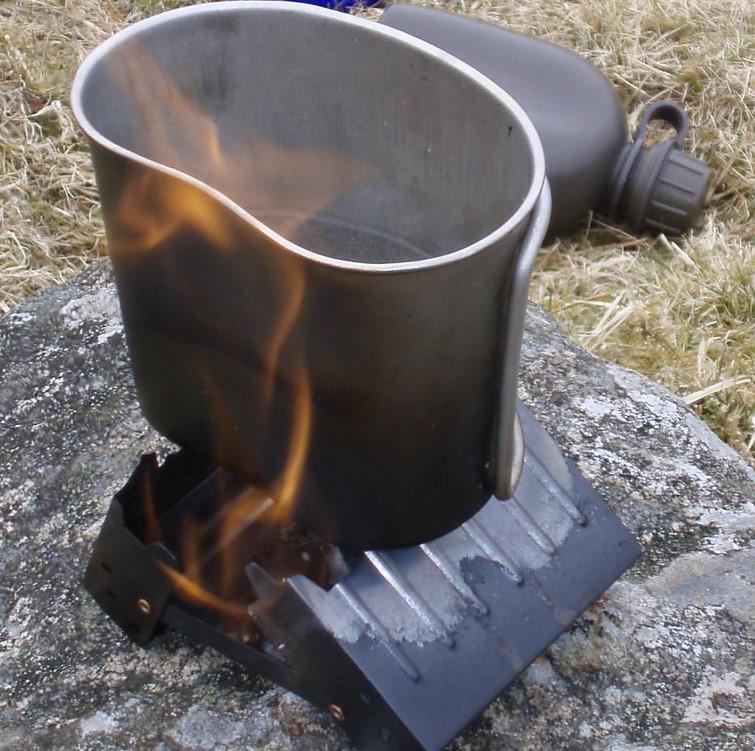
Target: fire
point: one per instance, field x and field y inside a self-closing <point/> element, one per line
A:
<point x="288" y="484"/>
<point x="148" y="215"/>
<point x="296" y="286"/>
<point x="213" y="553"/>
<point x="286" y="183"/>
<point x="247" y="509"/>
<point x="254" y="504"/>
<point x="152" y="531"/>
<point x="190" y="551"/>
<point x="190" y="590"/>
<point x="290" y="184"/>
<point x="223" y="420"/>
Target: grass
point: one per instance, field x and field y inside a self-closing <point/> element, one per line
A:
<point x="681" y="311"/>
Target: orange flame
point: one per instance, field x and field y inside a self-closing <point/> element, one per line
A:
<point x="283" y="183"/>
<point x="152" y="531"/>
<point x="282" y="331"/>
<point x="245" y="510"/>
<point x="190" y="552"/>
<point x="190" y="590"/>
<point x="286" y="184"/>
<point x="224" y="432"/>
<point x="301" y="431"/>
<point x="149" y="212"/>
<point x="276" y="507"/>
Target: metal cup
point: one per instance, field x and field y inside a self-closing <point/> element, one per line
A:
<point x="322" y="231"/>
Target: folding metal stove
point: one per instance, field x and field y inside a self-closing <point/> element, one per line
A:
<point x="403" y="647"/>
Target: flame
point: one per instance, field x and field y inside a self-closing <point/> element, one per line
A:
<point x="189" y="590"/>
<point x="223" y="421"/>
<point x="285" y="183"/>
<point x="277" y="506"/>
<point x="190" y="552"/>
<point x="289" y="184"/>
<point x="198" y="543"/>
<point x="152" y="530"/>
<point x="295" y="297"/>
<point x="151" y="209"/>
<point x="247" y="509"/>
<point x="148" y="213"/>
<point x="188" y="584"/>
<point x="298" y="448"/>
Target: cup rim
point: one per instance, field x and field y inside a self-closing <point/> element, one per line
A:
<point x="532" y="139"/>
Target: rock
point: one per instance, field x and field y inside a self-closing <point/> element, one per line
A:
<point x="664" y="660"/>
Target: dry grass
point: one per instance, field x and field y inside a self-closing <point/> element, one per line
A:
<point x="681" y="311"/>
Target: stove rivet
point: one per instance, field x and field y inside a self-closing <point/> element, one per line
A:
<point x="336" y="712"/>
<point x="144" y="606"/>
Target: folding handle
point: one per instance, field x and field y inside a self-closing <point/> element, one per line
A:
<point x="509" y="438"/>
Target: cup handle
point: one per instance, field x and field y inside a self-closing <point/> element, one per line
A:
<point x="509" y="437"/>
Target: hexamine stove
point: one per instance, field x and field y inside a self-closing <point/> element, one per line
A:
<point x="403" y="647"/>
